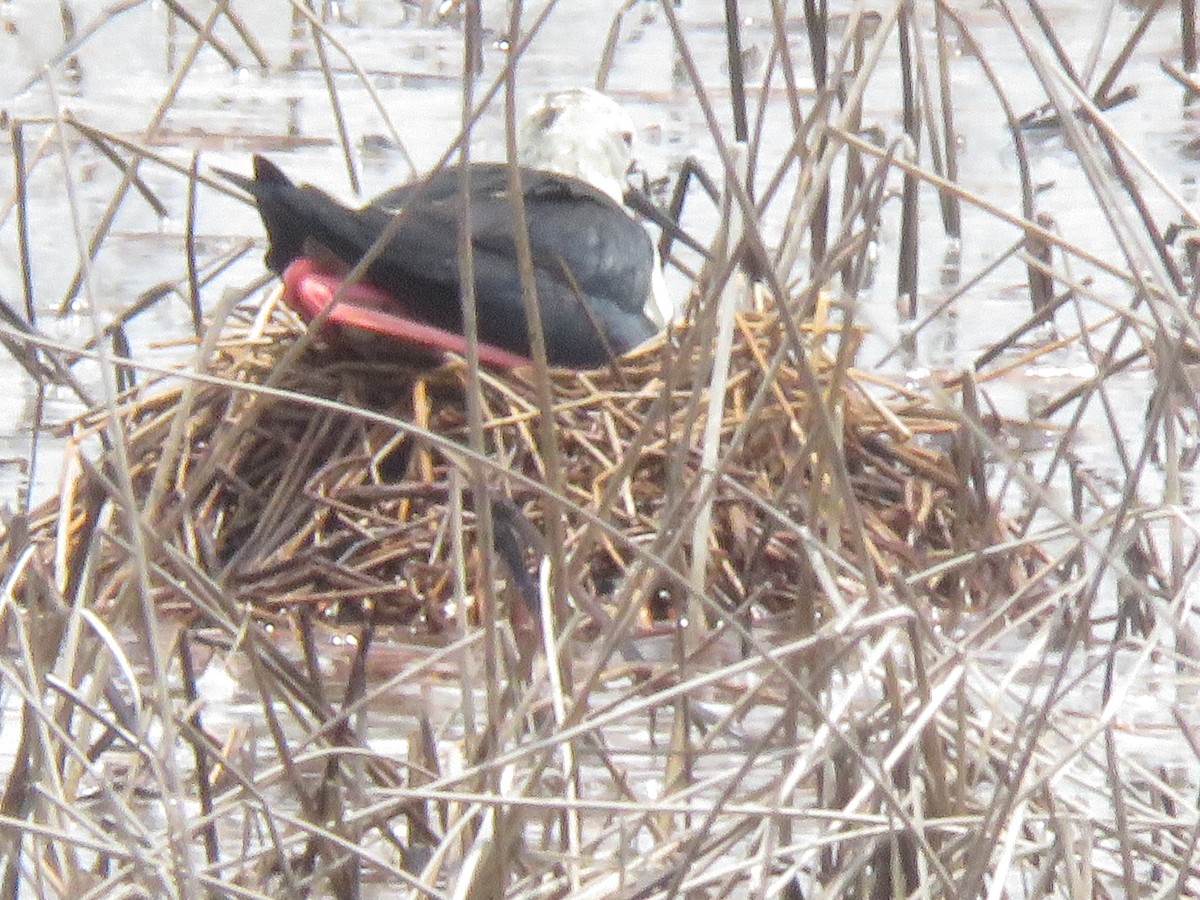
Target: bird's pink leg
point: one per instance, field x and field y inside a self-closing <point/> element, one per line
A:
<point x="308" y="290"/>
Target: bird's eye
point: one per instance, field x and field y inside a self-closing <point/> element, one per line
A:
<point x="546" y="117"/>
<point x="627" y="137"/>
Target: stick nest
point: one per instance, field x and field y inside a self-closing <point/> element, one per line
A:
<point x="282" y="502"/>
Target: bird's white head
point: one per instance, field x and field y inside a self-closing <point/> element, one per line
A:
<point x="582" y="133"/>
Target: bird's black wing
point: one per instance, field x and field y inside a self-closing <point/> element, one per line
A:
<point x="577" y="233"/>
<point x="591" y="260"/>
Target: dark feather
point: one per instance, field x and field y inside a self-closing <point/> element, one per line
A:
<point x="592" y="261"/>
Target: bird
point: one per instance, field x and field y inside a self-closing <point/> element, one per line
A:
<point x="599" y="286"/>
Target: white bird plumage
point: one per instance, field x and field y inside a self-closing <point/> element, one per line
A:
<point x="582" y="133"/>
<point x="587" y="135"/>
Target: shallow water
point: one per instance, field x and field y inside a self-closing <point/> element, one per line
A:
<point x="226" y="115"/>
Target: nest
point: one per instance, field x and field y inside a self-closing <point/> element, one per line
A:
<point x="356" y="500"/>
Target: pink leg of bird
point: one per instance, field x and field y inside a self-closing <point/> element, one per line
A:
<point x="308" y="290"/>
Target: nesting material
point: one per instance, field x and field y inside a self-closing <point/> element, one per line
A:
<point x="284" y="502"/>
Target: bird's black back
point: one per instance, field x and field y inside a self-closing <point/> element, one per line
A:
<point x="592" y="262"/>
